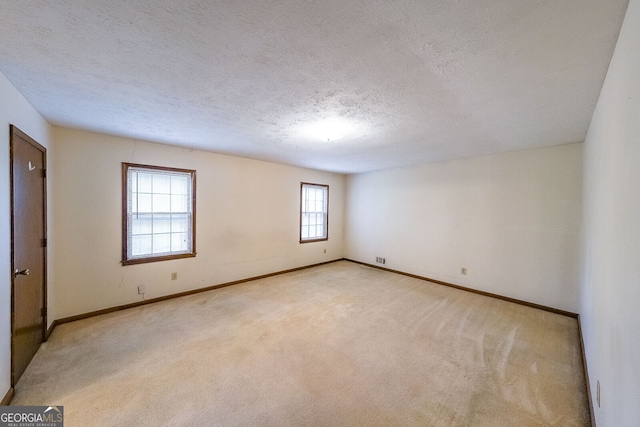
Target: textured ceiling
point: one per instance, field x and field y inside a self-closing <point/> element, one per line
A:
<point x="415" y="81"/>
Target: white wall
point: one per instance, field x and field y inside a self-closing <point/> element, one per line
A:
<point x="14" y="109"/>
<point x="513" y="220"/>
<point x="247" y="221"/>
<point x="610" y="283"/>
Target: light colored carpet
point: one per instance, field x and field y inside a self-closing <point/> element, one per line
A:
<point x="335" y="345"/>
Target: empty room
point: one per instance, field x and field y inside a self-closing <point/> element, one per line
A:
<point x="326" y="213"/>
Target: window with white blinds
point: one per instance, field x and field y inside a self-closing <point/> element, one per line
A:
<point x="158" y="213"/>
<point x="314" y="212"/>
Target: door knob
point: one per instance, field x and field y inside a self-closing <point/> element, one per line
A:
<point x="24" y="272"/>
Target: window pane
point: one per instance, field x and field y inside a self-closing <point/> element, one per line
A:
<point x="144" y="203"/>
<point x="141" y="224"/>
<point x="179" y="223"/>
<point x="161" y="203"/>
<point x="161" y="183"/>
<point x="161" y="224"/>
<point x="179" y="203"/>
<point x="161" y="243"/>
<point x="133" y="203"/>
<point x="144" y="182"/>
<point x="179" y="242"/>
<point x="140" y="245"/>
<point x="133" y="181"/>
<point x="180" y="185"/>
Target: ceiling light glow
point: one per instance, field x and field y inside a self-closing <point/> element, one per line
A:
<point x="330" y="129"/>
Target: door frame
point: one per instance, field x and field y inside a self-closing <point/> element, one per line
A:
<point x="14" y="132"/>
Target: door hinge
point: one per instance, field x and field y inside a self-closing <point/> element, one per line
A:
<point x="44" y="242"/>
<point x="44" y="311"/>
<point x="44" y="173"/>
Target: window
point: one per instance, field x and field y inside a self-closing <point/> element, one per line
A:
<point x="158" y="213"/>
<point x="314" y="208"/>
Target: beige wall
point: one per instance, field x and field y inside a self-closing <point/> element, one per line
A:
<point x="513" y="220"/>
<point x="14" y="109"/>
<point x="247" y="221"/>
<point x="610" y="284"/>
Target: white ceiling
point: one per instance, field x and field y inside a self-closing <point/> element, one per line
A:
<point x="418" y="80"/>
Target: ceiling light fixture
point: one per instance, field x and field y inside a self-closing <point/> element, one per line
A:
<point x="330" y="129"/>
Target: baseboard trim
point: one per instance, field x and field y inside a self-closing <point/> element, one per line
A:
<point x="178" y="295"/>
<point x="586" y="374"/>
<point x="475" y="291"/>
<point x="6" y="400"/>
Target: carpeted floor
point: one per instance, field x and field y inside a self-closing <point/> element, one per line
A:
<point x="335" y="345"/>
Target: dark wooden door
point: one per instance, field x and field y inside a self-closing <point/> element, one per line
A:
<point x="28" y="250"/>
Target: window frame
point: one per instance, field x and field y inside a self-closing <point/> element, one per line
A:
<point x="125" y="215"/>
<point x="326" y="213"/>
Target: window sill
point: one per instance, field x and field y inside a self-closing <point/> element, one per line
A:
<point x="135" y="261"/>
<point x="314" y="240"/>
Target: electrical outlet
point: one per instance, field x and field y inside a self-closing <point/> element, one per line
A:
<point x="463" y="271"/>
<point x="142" y="289"/>
<point x="174" y="276"/>
<point x="381" y="260"/>
<point x="325" y="251"/>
